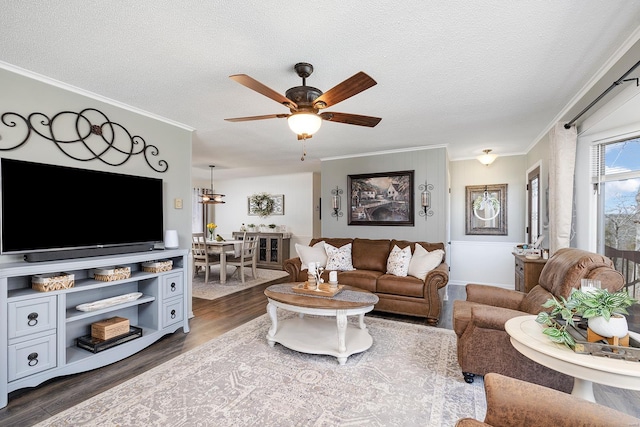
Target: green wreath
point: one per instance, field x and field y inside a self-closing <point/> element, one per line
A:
<point x="262" y="204"/>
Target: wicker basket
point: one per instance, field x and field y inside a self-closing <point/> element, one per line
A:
<point x="52" y="281"/>
<point x="157" y="266"/>
<point x="109" y="274"/>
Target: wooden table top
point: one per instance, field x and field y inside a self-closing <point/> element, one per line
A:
<point x="302" y="300"/>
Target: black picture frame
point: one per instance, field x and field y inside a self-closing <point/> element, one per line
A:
<point x="383" y="198"/>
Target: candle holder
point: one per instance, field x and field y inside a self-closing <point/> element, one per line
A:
<point x="425" y="200"/>
<point x="336" y="202"/>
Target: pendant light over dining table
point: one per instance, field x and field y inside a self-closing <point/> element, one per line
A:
<point x="209" y="196"/>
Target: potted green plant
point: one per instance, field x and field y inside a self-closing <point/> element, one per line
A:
<point x="598" y="306"/>
<point x="272" y="227"/>
<point x="251" y="227"/>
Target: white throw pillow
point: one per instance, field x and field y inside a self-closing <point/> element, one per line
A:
<point x="339" y="259"/>
<point x="424" y="261"/>
<point x="315" y="253"/>
<point x="398" y="261"/>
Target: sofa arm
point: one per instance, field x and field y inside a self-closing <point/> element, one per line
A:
<point x="512" y="403"/>
<point x="293" y="267"/>
<point x="438" y="277"/>
<point x="488" y="317"/>
<point x="493" y="295"/>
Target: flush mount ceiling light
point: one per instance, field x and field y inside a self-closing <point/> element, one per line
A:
<point x="487" y="158"/>
<point x="209" y="196"/>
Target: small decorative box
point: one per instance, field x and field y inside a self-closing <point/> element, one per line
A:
<point x="109" y="274"/>
<point x="157" y="266"/>
<point x="110" y="328"/>
<point x="52" y="281"/>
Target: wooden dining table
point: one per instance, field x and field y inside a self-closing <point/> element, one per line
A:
<point x="221" y="248"/>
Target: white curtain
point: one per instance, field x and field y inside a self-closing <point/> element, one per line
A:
<point x="196" y="211"/>
<point x="561" y="173"/>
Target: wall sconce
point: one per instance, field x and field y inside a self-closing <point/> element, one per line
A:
<point x="487" y="158"/>
<point x="336" y="202"/>
<point x="425" y="199"/>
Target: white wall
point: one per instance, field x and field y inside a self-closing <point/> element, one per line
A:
<point x="26" y="93"/>
<point x="300" y="215"/>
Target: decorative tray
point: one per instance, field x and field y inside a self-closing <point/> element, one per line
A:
<point x="108" y="302"/>
<point x="96" y="345"/>
<point x="324" y="290"/>
<point x="604" y="349"/>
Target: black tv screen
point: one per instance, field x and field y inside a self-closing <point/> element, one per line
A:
<point x="48" y="208"/>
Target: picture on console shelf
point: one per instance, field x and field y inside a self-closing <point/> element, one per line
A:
<point x="384" y="198"/>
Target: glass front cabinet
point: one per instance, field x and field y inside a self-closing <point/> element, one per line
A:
<point x="273" y="249"/>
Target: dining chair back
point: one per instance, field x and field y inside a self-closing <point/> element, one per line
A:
<point x="202" y="259"/>
<point x="248" y="256"/>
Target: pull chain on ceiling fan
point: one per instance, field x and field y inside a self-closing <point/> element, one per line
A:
<point x="209" y="196"/>
<point x="305" y="102"/>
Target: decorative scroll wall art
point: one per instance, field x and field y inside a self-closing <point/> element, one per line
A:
<point x="94" y="137"/>
<point x="486" y="209"/>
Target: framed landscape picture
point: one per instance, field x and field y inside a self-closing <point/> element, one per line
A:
<point x="486" y="209"/>
<point x="384" y="198"/>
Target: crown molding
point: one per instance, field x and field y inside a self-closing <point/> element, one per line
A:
<point x="381" y="153"/>
<point x="83" y="92"/>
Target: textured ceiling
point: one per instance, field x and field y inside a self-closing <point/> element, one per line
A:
<point x="468" y="75"/>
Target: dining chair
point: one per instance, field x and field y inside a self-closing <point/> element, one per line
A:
<point x="248" y="256"/>
<point x="201" y="257"/>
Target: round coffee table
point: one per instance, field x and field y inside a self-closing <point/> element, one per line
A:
<point x="318" y="334"/>
<point x="527" y="337"/>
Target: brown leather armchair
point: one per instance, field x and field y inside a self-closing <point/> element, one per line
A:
<point x="515" y="403"/>
<point x="484" y="346"/>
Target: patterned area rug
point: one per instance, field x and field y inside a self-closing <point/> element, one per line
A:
<point x="409" y="377"/>
<point x="214" y="289"/>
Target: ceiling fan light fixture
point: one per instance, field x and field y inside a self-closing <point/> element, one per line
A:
<point x="487" y="158"/>
<point x="304" y="123"/>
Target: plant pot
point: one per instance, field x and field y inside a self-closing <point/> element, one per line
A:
<point x="615" y="327"/>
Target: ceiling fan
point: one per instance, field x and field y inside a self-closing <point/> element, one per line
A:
<point x="305" y="102"/>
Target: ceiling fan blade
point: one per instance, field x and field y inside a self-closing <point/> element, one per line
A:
<point x="253" y="84"/>
<point x="268" y="116"/>
<point x="351" y="119"/>
<point x="348" y="88"/>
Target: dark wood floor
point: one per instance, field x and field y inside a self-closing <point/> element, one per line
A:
<point x="212" y="318"/>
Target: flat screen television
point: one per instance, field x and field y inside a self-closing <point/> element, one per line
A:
<point x="50" y="208"/>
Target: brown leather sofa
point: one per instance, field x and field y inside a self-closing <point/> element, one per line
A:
<point x="399" y="295"/>
<point x="484" y="346"/>
<point x="515" y="403"/>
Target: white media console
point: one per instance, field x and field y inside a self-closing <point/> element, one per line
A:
<point x="39" y="329"/>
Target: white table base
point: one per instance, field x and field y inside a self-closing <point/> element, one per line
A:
<point x="320" y="335"/>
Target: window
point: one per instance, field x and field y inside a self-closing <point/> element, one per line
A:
<point x="616" y="180"/>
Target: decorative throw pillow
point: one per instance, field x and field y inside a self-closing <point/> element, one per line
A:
<point x="398" y="261"/>
<point x="315" y="253"/>
<point x="339" y="258"/>
<point x="424" y="261"/>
